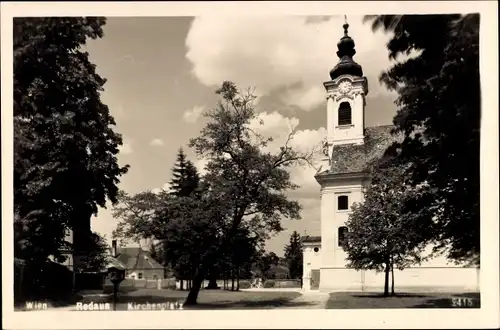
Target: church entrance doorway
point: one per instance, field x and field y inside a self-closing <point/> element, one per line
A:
<point x="315" y="279"/>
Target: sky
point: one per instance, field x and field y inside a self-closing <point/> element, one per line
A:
<point x="162" y="73"/>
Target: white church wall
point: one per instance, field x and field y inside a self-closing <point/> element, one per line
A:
<point x="410" y="279"/>
<point x="436" y="273"/>
<point x="311" y="261"/>
<point x="332" y="219"/>
<point x="312" y="258"/>
<point x="340" y="279"/>
<point x="444" y="278"/>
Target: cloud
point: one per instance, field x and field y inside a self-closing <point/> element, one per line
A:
<point x="270" y="53"/>
<point x="156" y="142"/>
<point x="156" y="191"/>
<point x="192" y="115"/>
<point x="165" y="188"/>
<point x="200" y="165"/>
<point x="126" y="147"/>
<point x="278" y="127"/>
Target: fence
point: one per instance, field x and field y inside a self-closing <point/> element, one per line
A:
<point x="130" y="284"/>
<point x="271" y="283"/>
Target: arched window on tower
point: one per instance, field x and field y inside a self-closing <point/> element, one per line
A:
<point x="342" y="235"/>
<point x="345" y="116"/>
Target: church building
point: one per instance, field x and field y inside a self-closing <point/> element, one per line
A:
<point x="350" y="145"/>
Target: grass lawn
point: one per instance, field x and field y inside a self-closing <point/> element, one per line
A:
<point x="359" y="300"/>
<point x="207" y="299"/>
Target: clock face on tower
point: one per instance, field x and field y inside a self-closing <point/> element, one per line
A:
<point x="345" y="87"/>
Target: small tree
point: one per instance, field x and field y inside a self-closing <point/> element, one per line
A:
<point x="266" y="261"/>
<point x="185" y="183"/>
<point x="383" y="234"/>
<point x="185" y="177"/>
<point x="294" y="256"/>
<point x="96" y="255"/>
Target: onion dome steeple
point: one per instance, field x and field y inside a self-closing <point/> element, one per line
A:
<point x="345" y="52"/>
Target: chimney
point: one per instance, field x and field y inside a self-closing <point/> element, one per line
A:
<point x="113" y="248"/>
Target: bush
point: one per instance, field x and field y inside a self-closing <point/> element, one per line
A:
<point x="288" y="284"/>
<point x="269" y="284"/>
<point x="244" y="284"/>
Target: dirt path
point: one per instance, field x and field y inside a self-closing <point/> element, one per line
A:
<point x="312" y="300"/>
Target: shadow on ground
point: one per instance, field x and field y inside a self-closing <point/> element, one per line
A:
<point x="249" y="304"/>
<point x="208" y="299"/>
<point x="241" y="304"/>
<point x="360" y="300"/>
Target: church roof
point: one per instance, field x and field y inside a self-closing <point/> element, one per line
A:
<point x="352" y="158"/>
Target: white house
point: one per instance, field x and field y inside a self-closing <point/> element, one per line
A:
<point x="349" y="146"/>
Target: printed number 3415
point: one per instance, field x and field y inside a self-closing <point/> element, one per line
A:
<point x="462" y="302"/>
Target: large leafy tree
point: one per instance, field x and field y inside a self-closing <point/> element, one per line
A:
<point x="294" y="256"/>
<point x="439" y="115"/>
<point x="65" y="150"/>
<point x="383" y="232"/>
<point x="244" y="188"/>
<point x="247" y="183"/>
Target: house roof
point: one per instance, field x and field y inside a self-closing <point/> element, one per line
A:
<point x="136" y="258"/>
<point x="352" y="158"/>
<point x="113" y="262"/>
<point x="311" y="239"/>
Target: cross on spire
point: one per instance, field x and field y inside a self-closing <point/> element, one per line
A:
<point x="345" y="26"/>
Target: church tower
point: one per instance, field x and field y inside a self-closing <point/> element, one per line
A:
<point x="346" y="93"/>
<point x="341" y="181"/>
<point x="350" y="148"/>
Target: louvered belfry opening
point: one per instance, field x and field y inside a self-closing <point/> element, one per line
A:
<point x="345" y="114"/>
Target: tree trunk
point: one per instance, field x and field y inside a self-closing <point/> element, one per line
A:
<point x="232" y="280"/>
<point x="386" y="282"/>
<point x="190" y="281"/>
<point x="195" y="289"/>
<point x="212" y="282"/>
<point x="238" y="280"/>
<point x="182" y="284"/>
<point x="392" y="277"/>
